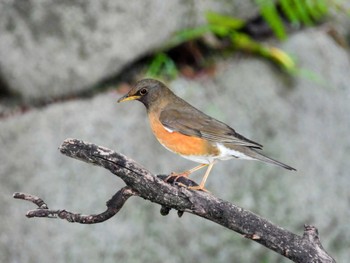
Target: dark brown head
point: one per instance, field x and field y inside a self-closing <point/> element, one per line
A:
<point x="148" y="91"/>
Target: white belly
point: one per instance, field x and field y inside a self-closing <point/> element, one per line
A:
<point x="200" y="159"/>
<point x="225" y="154"/>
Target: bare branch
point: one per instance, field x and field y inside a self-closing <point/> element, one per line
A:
<point x="113" y="207"/>
<point x="139" y="181"/>
<point x="32" y="198"/>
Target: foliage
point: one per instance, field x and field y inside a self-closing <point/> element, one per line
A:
<point x="162" y="65"/>
<point x="276" y="14"/>
<point x="297" y="12"/>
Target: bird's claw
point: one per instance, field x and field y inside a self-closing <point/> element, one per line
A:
<point x="175" y="176"/>
<point x="198" y="188"/>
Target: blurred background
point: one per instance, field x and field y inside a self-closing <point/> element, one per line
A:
<point x="276" y="71"/>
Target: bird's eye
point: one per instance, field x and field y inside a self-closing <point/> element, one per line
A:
<point x="143" y="92"/>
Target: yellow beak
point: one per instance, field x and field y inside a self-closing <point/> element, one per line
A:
<point x="127" y="97"/>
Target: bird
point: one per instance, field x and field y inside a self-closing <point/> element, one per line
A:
<point x="190" y="133"/>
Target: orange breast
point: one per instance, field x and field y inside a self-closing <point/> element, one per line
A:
<point x="179" y="143"/>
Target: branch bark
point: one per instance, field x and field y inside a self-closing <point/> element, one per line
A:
<point x="140" y="182"/>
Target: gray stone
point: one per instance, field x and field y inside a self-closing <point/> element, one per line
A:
<point x="339" y="20"/>
<point x="56" y="48"/>
<point x="299" y="122"/>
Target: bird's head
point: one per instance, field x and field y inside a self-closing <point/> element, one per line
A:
<point x="148" y="91"/>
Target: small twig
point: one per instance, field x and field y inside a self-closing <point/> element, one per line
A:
<point x="113" y="207"/>
<point x="31" y="198"/>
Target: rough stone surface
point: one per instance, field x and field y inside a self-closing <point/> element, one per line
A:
<point x="300" y="121"/>
<point x="340" y="20"/>
<point x="54" y="48"/>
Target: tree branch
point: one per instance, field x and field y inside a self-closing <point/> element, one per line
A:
<point x="140" y="182"/>
<point x="113" y="207"/>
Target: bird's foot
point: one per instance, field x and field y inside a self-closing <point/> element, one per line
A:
<point x="175" y="176"/>
<point x="181" y="179"/>
<point x="198" y="188"/>
<point x="193" y="187"/>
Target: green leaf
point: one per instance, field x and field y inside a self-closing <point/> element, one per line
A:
<point x="280" y="58"/>
<point x="162" y="65"/>
<point x="323" y="6"/>
<point x="289" y="10"/>
<point x="269" y="12"/>
<point x="224" y="21"/>
<point x="187" y="35"/>
<point x="302" y="12"/>
<point x="315" y="8"/>
<point x="244" y="42"/>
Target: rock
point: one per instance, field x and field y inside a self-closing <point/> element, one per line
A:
<point x="299" y="122"/>
<point x="311" y="57"/>
<point x="54" y="48"/>
<point x="340" y="22"/>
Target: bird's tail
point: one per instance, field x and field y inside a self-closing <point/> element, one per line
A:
<point x="260" y="157"/>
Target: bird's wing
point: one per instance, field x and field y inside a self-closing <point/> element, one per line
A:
<point x="193" y="122"/>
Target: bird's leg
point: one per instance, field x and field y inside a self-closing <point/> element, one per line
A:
<point x="195" y="169"/>
<point x="205" y="177"/>
<point x="185" y="173"/>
